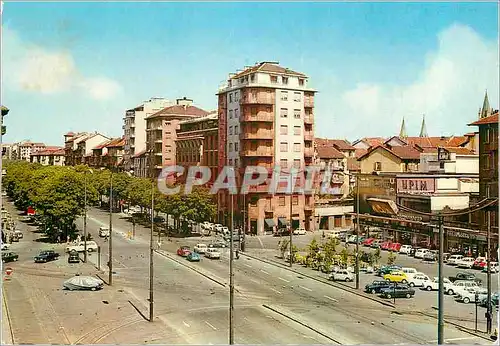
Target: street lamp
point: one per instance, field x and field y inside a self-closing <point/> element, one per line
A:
<point x="110" y="244"/>
<point x="151" y="250"/>
<point x="85" y="216"/>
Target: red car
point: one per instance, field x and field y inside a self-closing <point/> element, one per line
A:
<point x="368" y="242"/>
<point x="184" y="251"/>
<point x="395" y="247"/>
<point x="386" y="245"/>
<point x="479" y="263"/>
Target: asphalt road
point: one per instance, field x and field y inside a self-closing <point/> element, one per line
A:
<point x="341" y="315"/>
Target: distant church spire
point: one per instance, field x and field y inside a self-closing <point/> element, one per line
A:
<point x="402" y="132"/>
<point x="423" y="128"/>
<point x="486" y="110"/>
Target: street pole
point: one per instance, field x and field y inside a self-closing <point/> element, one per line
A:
<point x="488" y="273"/>
<point x="357" y="232"/>
<point x="441" y="283"/>
<point x="110" y="261"/>
<point x="151" y="241"/>
<point x="85" y="219"/>
<point x="231" y="278"/>
<point x="291" y="211"/>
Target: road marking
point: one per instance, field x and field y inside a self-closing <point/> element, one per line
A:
<point x="455" y="339"/>
<point x="305" y="288"/>
<point x="283" y="279"/>
<point x="333" y="299"/>
<point x="248" y="265"/>
<point x="262" y="270"/>
<point x="187" y="325"/>
<point x="272" y="289"/>
<point x="253" y="280"/>
<point x="208" y="324"/>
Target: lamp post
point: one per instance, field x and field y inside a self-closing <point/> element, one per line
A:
<point x="85" y="219"/>
<point x="441" y="282"/>
<point x="291" y="231"/>
<point x="151" y="251"/>
<point x="110" y="244"/>
<point x="231" y="277"/>
<point x="357" y="232"/>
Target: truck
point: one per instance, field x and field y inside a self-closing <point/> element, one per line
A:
<point x="80" y="246"/>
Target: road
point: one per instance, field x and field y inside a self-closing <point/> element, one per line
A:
<point x="343" y="316"/>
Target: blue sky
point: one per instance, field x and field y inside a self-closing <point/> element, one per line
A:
<point x="79" y="66"/>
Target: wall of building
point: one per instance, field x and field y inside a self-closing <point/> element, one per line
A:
<point x="467" y="164"/>
<point x="233" y="120"/>
<point x="454" y="202"/>
<point x="390" y="163"/>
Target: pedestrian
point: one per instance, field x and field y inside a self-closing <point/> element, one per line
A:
<point x="106" y="238"/>
<point x="158" y="244"/>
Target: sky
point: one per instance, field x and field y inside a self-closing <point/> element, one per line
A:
<point x="79" y="66"/>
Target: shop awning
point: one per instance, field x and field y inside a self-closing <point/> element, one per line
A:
<point x="269" y="222"/>
<point x="283" y="221"/>
<point x="296" y="218"/>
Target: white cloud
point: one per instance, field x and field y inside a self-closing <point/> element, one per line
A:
<point x="32" y="68"/>
<point x="449" y="91"/>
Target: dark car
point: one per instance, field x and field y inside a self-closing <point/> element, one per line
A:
<point x="46" y="256"/>
<point x="218" y="244"/>
<point x="387" y="269"/>
<point x="412" y="252"/>
<point x="398" y="291"/>
<point x="464" y="276"/>
<point x="494" y="300"/>
<point x="9" y="257"/>
<point x="159" y="219"/>
<point x="73" y="257"/>
<point x="377" y="286"/>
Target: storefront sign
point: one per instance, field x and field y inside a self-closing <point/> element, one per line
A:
<point x="466" y="235"/>
<point x="416" y="185"/>
<point x="371" y="186"/>
<point x="383" y="207"/>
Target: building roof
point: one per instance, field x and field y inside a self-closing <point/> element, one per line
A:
<point x="50" y="151"/>
<point x="403" y="152"/>
<point x="327" y="152"/>
<point x="69" y="134"/>
<point x="268" y="66"/>
<point x="492" y="119"/>
<point x="456" y="150"/>
<point x="360" y="152"/>
<point x="470" y="134"/>
<point x="180" y="110"/>
<point x="116" y="142"/>
<point x="340" y="144"/>
<point x="371" y="141"/>
<point x="423" y="142"/>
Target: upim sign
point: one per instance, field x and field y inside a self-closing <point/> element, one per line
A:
<point x="416" y="185"/>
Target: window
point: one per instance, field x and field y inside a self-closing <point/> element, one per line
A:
<point x="284" y="163"/>
<point x="236" y="146"/>
<point x="295" y="200"/>
<point x="283" y="130"/>
<point x="296" y="113"/>
<point x="282" y="201"/>
<point x="252" y="77"/>
<point x="236" y="114"/>
<point x="274" y="79"/>
<point x="283" y="147"/>
<point x="296" y="147"/>
<point x="296" y="130"/>
<point x="236" y="161"/>
<point x="296" y="163"/>
<point x="236" y="129"/>
<point x="230" y="146"/>
<point x="487" y="163"/>
<point x="301" y="82"/>
<point x="377" y="166"/>
<point x="230" y="130"/>
<point x="487" y="135"/>
<point x="230" y="97"/>
<point x="253" y="111"/>
<point x="236" y="96"/>
<point x="441" y="164"/>
<point x="296" y="97"/>
<point x="284" y="80"/>
<point x="231" y="114"/>
<point x="284" y="113"/>
<point x="230" y="162"/>
<point x="284" y="96"/>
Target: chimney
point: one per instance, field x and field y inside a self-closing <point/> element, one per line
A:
<point x="184" y="102"/>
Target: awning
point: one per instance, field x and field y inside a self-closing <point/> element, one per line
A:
<point x="283" y="221"/>
<point x="269" y="222"/>
<point x="296" y="218"/>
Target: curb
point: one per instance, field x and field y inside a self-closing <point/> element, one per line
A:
<point x="8" y="320"/>
<point x="166" y="255"/>
<point x="301" y="323"/>
<point x="341" y="287"/>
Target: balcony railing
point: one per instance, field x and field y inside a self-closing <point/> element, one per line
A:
<point x="260" y="188"/>
<point x="256" y="99"/>
<point x="308" y="136"/>
<point x="308" y="152"/>
<point x="257" y="135"/>
<point x="308" y="102"/>
<point x="263" y="117"/>
<point x="308" y="119"/>
<point x="257" y="152"/>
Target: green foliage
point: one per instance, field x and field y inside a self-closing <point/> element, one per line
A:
<point x="391" y="259"/>
<point x="344" y="257"/>
<point x="377" y="255"/>
<point x="284" y="245"/>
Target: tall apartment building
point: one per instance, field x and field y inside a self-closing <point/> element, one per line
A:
<point x="161" y="131"/>
<point x="266" y="119"/>
<point x="23" y="150"/>
<point x="134" y="128"/>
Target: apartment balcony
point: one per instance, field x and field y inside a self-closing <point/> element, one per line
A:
<point x="308" y="119"/>
<point x="158" y="140"/>
<point x="308" y="136"/>
<point x="262" y="117"/>
<point x="260" y="189"/>
<point x="309" y="152"/>
<point x="308" y="103"/>
<point x="257" y="135"/>
<point x="155" y="128"/>
<point x="252" y="99"/>
<point x="132" y="125"/>
<point x="257" y="152"/>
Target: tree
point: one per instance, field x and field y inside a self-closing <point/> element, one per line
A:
<point x="377" y="256"/>
<point x="284" y="245"/>
<point x="344" y="257"/>
<point x="391" y="259"/>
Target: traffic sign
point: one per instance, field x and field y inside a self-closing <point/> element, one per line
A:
<point x="8" y="271"/>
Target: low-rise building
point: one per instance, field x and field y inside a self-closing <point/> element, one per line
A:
<point x="83" y="152"/>
<point x="458" y="160"/>
<point x="108" y="154"/>
<point x="49" y="156"/>
<point x="388" y="158"/>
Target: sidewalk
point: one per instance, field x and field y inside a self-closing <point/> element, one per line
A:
<point x="6" y="333"/>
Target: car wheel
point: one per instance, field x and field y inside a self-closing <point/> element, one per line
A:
<point x="404" y="281"/>
<point x="411" y="284"/>
<point x="90" y="250"/>
<point x="388" y="296"/>
<point x="408" y="295"/>
<point x="450" y="292"/>
<point x="374" y="291"/>
<point x="347" y="280"/>
<point x="466" y="300"/>
<point x="388" y="280"/>
<point x="15" y="259"/>
<point x="428" y="288"/>
<point x="93" y="289"/>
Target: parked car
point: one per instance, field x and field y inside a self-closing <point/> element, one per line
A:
<point x="397" y="291"/>
<point x="351" y="239"/>
<point x="79" y="247"/>
<point x="9" y="257"/>
<point x="19" y="234"/>
<point x="183" y="251"/>
<point x="395" y="247"/>
<point x="46" y="256"/>
<point x="434" y="285"/>
<point x="385" y="245"/>
<point x="396" y="276"/>
<point x="212" y="253"/>
<point x="468" y="295"/>
<point x="419" y="280"/>
<point x="431" y="256"/>
<point x="200" y="248"/>
<point x="465" y="276"/>
<point x="83" y="283"/>
<point x="218" y="244"/>
<point x="218" y="228"/>
<point x="377" y="286"/>
<point x="494" y="300"/>
<point x="368" y="242"/>
<point x="494" y="267"/>
<point x="300" y="231"/>
<point x="453" y="259"/>
<point x="420" y="253"/>
<point x="412" y="252"/>
<point x="386" y="269"/>
<point x="465" y="262"/>
<point x="5" y="247"/>
<point x="103" y="232"/>
<point x="341" y="275"/>
<point x="479" y="263"/>
<point x="405" y="249"/>
<point x="458" y="286"/>
<point x="193" y="257"/>
<point x="73" y="257"/>
<point x="410" y="272"/>
<point x="376" y="244"/>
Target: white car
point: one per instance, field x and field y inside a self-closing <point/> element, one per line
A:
<point x="410" y="272"/>
<point x="465" y="262"/>
<point x="207" y="225"/>
<point x="212" y="253"/>
<point x="103" y="232"/>
<point x="494" y="267"/>
<point x="218" y="227"/>
<point x="468" y="295"/>
<point x="341" y="275"/>
<point x="419" y="280"/>
<point x="300" y="231"/>
<point x="18" y="233"/>
<point x="434" y="285"/>
<point x="405" y="249"/>
<point x="420" y="253"/>
<point x="79" y="247"/>
<point x="201" y="248"/>
<point x="5" y="247"/>
<point x="458" y="286"/>
<point x="454" y="259"/>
